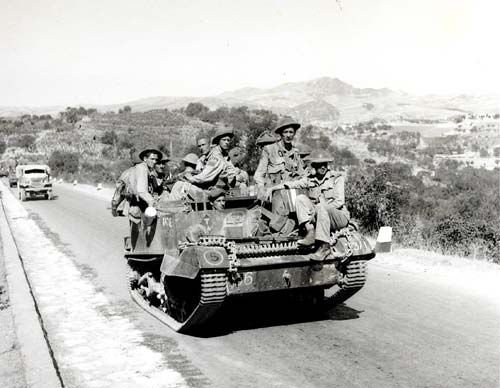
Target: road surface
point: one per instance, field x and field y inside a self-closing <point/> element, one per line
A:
<point x="403" y="329"/>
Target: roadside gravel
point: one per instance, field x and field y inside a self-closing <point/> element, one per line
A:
<point x="11" y="366"/>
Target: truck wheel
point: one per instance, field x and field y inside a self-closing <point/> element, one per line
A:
<point x="22" y="195"/>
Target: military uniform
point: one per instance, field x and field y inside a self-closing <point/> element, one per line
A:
<point x="325" y="201"/>
<point x="202" y="161"/>
<point x="141" y="186"/>
<point x="277" y="165"/>
<point x="218" y="171"/>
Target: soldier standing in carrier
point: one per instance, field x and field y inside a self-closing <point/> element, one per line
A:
<point x="280" y="161"/>
<point x="325" y="203"/>
<point x="142" y="184"/>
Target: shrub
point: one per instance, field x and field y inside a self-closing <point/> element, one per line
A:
<point x="109" y="137"/>
<point x="61" y="162"/>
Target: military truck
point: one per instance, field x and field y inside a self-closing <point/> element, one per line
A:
<point x="187" y="259"/>
<point x="33" y="180"/>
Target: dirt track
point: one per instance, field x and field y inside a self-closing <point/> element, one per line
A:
<point x="411" y="326"/>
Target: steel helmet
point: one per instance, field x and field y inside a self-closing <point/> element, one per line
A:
<point x="304" y="150"/>
<point x="190" y="159"/>
<point x="286" y="122"/>
<point x="221" y="133"/>
<point x="265" y="138"/>
<point x="320" y="156"/>
<point x="143" y="153"/>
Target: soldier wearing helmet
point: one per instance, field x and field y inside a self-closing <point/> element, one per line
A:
<point x="265" y="138"/>
<point x="190" y="162"/>
<point x="182" y="187"/>
<point x="280" y="161"/>
<point x="325" y="202"/>
<point x="236" y="156"/>
<point x="159" y="181"/>
<point x="218" y="170"/>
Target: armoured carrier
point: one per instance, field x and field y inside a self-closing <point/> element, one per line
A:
<point x="187" y="261"/>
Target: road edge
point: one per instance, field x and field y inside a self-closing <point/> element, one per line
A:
<point x="40" y="371"/>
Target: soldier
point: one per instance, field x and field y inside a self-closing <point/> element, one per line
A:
<point x="304" y="151"/>
<point x="159" y="175"/>
<point x="190" y="162"/>
<point x="182" y="188"/>
<point x="118" y="202"/>
<point x="141" y="183"/>
<point x="265" y="138"/>
<point x="325" y="202"/>
<point x="218" y="170"/>
<point x="217" y="198"/>
<point x="203" y="145"/>
<point x="236" y="156"/>
<point x="279" y="161"/>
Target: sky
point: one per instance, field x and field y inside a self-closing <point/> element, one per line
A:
<point x="82" y="52"/>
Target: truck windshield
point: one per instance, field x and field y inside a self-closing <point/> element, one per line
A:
<point x="35" y="171"/>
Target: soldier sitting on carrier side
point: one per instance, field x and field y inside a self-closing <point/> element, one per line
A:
<point x="203" y="144"/>
<point x="121" y="192"/>
<point x="217" y="172"/>
<point x="182" y="188"/>
<point x="236" y="156"/>
<point x="159" y="181"/>
<point x="325" y="203"/>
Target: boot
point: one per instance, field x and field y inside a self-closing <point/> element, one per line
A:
<point x="322" y="252"/>
<point x="308" y="240"/>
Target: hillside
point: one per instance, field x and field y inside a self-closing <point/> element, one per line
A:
<point x="312" y="101"/>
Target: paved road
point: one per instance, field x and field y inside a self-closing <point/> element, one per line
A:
<point x="401" y="330"/>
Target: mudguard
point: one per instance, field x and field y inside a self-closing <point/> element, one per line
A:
<point x="192" y="259"/>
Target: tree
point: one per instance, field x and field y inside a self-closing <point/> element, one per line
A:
<point x="3" y="147"/>
<point x="195" y="109"/>
<point x="26" y="141"/>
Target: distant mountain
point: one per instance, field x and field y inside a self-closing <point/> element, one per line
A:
<point x="323" y="101"/>
<point x="317" y="112"/>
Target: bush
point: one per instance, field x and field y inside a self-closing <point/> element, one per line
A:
<point x="460" y="216"/>
<point x="63" y="162"/>
<point x="25" y="141"/>
<point x="109" y="137"/>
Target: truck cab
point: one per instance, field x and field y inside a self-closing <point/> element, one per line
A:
<point x="33" y="180"/>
